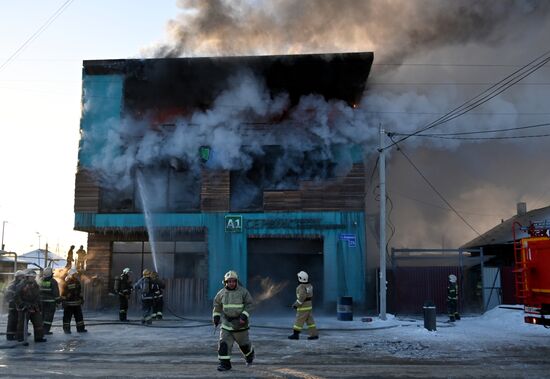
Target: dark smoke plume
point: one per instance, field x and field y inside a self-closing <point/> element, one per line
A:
<point x="393" y="29"/>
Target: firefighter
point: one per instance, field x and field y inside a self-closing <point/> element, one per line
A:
<point x="304" y="309"/>
<point x="157" y="287"/>
<point x="72" y="303"/>
<point x="232" y="305"/>
<point x="11" y="328"/>
<point x="123" y="287"/>
<point x="70" y="258"/>
<point x="144" y="285"/>
<point x="452" y="299"/>
<point x="80" y="258"/>
<point x="27" y="302"/>
<point x="49" y="297"/>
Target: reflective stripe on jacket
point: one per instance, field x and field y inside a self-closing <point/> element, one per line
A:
<point x="231" y="304"/>
<point x="304" y="297"/>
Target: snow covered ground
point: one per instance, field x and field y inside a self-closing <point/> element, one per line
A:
<point x="496" y="344"/>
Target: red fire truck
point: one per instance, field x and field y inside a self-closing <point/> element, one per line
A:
<point x="532" y="272"/>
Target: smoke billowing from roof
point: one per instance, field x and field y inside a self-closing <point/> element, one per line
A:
<point x="394" y="29"/>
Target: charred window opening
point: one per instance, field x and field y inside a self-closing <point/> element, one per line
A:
<point x="170" y="187"/>
<point x="277" y="169"/>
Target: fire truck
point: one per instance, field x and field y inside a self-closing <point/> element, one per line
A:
<point x="532" y="271"/>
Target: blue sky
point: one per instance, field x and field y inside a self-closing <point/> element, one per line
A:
<point x="40" y="105"/>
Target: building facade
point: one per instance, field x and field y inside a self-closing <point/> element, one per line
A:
<point x="195" y="166"/>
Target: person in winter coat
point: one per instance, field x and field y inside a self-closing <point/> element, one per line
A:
<point x="11" y="328"/>
<point x="304" y="309"/>
<point x="81" y="259"/>
<point x="157" y="287"/>
<point x="72" y="303"/>
<point x="145" y="287"/>
<point x="27" y="302"/>
<point x="232" y="306"/>
<point x="70" y="258"/>
<point x="452" y="299"/>
<point x="123" y="287"/>
<point x="49" y="297"/>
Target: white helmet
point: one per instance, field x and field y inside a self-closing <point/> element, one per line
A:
<point x="452" y="278"/>
<point x="19" y="273"/>
<point x="303" y="277"/>
<point x="126" y="270"/>
<point x="230" y="275"/>
<point x="47" y="272"/>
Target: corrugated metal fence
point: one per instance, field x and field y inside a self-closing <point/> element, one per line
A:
<point x="180" y="295"/>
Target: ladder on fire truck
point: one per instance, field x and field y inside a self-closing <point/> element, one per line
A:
<point x="535" y="229"/>
<point x="519" y="265"/>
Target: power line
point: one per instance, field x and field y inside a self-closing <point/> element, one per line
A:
<point x="488" y="131"/>
<point x="488" y="138"/>
<point x="448" y="84"/>
<point x="37" y="33"/>
<point x="448" y="64"/>
<point x="485" y="96"/>
<point x="432" y="186"/>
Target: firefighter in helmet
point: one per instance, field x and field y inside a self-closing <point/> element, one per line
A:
<point x="49" y="296"/>
<point x="27" y="302"/>
<point x="232" y="306"/>
<point x="11" y="328"/>
<point x="123" y="288"/>
<point x="157" y="287"/>
<point x="304" y="309"/>
<point x="72" y="301"/>
<point x="452" y="299"/>
<point x="144" y="285"/>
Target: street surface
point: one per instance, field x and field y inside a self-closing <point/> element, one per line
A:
<point x="474" y="347"/>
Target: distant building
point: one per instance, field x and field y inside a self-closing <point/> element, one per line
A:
<point x="8" y="267"/>
<point x="158" y="187"/>
<point x="37" y="258"/>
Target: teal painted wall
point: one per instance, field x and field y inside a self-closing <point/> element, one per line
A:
<point x="101" y="112"/>
<point x="344" y="266"/>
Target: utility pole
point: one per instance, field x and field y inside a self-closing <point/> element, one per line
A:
<point x="3" y="226"/>
<point x="382" y="179"/>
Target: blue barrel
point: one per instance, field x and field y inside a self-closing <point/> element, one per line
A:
<point x="344" y="308"/>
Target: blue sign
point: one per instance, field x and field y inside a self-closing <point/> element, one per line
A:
<point x="351" y="238"/>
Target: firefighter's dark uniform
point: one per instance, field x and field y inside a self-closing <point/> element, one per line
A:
<point x="72" y="305"/>
<point x="157" y="287"/>
<point x="123" y="287"/>
<point x="233" y="308"/>
<point x="304" y="312"/>
<point x="452" y="301"/>
<point x="49" y="297"/>
<point x="27" y="301"/>
<point x="11" y="328"/>
<point x="144" y="285"/>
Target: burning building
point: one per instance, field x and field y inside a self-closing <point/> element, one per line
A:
<point x="194" y="166"/>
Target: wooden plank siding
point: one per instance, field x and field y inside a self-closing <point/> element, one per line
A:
<point x="98" y="259"/>
<point x="215" y="191"/>
<point x="86" y="196"/>
<point x="346" y="193"/>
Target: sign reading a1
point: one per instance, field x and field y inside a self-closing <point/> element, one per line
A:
<point x="233" y="224"/>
